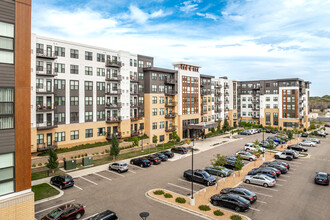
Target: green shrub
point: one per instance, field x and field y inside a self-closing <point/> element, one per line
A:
<point x="159" y="192"/>
<point x="107" y="151"/>
<point x="305" y="129"/>
<point x="39" y="164"/>
<point x="167" y="195"/>
<point x="97" y="153"/>
<point x="178" y="139"/>
<point x="33" y="165"/>
<point x="180" y="200"/>
<point x="64" y="159"/>
<point x="204" y="208"/>
<point x="85" y="154"/>
<point x="71" y="157"/>
<point x="235" y="217"/>
<point x="218" y="213"/>
<point x="78" y="156"/>
<point x="93" y="154"/>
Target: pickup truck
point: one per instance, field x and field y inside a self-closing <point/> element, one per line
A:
<point x="199" y="176"/>
<point x="284" y="155"/>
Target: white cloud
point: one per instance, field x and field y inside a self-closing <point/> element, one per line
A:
<point x="189" y="6"/>
<point x="141" y="17"/>
<point x="208" y="15"/>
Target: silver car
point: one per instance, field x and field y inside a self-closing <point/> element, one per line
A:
<point x="307" y="143"/>
<point x="315" y="140"/>
<point x="260" y="179"/>
<point x="246" y="155"/>
<point x="119" y="167"/>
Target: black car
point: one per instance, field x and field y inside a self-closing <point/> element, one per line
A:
<point x="229" y="164"/>
<point x="280" y="163"/>
<point x="142" y="162"/>
<point x="153" y="159"/>
<point x="163" y="157"/>
<point x="242" y="192"/>
<point x="231" y="201"/>
<point x="274" y="131"/>
<point x="297" y="148"/>
<point x="304" y="134"/>
<point x="322" y="178"/>
<point x="277" y="171"/>
<point x="199" y="176"/>
<point x="244" y="133"/>
<point x="167" y="153"/>
<point x="179" y="150"/>
<point x="281" y="168"/>
<point x="106" y="215"/>
<point x="62" y="181"/>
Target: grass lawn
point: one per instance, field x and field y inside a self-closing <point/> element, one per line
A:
<point x="43" y="191"/>
<point x="44" y="174"/>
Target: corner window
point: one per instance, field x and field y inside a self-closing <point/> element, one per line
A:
<point x="7" y="163"/>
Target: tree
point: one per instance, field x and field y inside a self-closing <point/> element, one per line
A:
<point x="154" y="139"/>
<point x="213" y="130"/>
<point x="52" y="160"/>
<point x="226" y="126"/>
<point x="114" y="149"/>
<point x="238" y="163"/>
<point x="271" y="144"/>
<point x="188" y="141"/>
<point x="135" y="141"/>
<point x="219" y="161"/>
<point x="290" y="134"/>
<point x="218" y="127"/>
<point x="175" y="135"/>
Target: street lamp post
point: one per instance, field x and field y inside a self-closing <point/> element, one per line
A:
<point x="144" y="215"/>
<point x="192" y="200"/>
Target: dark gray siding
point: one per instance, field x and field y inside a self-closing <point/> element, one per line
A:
<point x="7" y="75"/>
<point x="7" y="141"/>
<point x="7" y="11"/>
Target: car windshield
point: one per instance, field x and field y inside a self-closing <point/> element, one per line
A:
<point x="268" y="178"/>
<point x="68" y="179"/>
<point x="55" y="213"/>
<point x="321" y="175"/>
<point x="206" y="175"/>
<point x="144" y="160"/>
<point x="247" y="192"/>
<point x="242" y="200"/>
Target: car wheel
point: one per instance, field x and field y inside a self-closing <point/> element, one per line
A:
<point x="247" y="181"/>
<point x="250" y="159"/>
<point x="141" y="165"/>
<point x="118" y="171"/>
<point x="277" y="157"/>
<point x="207" y="183"/>
<point x="289" y="158"/>
<point x="51" y="183"/>
<point x="237" y="209"/>
<point x="61" y="187"/>
<point x="265" y="185"/>
<point x="132" y="162"/>
<point x="78" y="216"/>
<point x="311" y="145"/>
<point x="221" y="175"/>
<point x="216" y="203"/>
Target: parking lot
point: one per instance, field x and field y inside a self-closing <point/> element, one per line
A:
<point x="124" y="193"/>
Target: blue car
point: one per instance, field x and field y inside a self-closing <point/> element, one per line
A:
<point x="276" y="139"/>
<point x="163" y="157"/>
<point x="266" y="172"/>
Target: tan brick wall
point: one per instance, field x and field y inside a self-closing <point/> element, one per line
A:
<point x="18" y="207"/>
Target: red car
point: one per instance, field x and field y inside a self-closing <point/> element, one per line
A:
<point x="327" y="125"/>
<point x="68" y="211"/>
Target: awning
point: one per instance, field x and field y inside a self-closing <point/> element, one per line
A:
<point x="202" y="125"/>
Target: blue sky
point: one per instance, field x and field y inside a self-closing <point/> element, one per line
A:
<point x="241" y="39"/>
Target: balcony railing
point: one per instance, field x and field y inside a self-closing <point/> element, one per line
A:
<point x="114" y="119"/>
<point x="226" y="93"/>
<point x="217" y="93"/>
<point x="170" y="104"/>
<point x="44" y="147"/>
<point x="44" y="91"/>
<point x="113" y="78"/>
<point x="170" y="92"/>
<point x="218" y="102"/>
<point x="113" y="92"/>
<point x="46" y="72"/>
<point x="255" y="108"/>
<point x="170" y="115"/>
<point x="255" y="116"/>
<point x="255" y="100"/>
<point x="255" y="87"/>
<point x="45" y="108"/>
<point x="135" y="133"/>
<point x="205" y="93"/>
<point x="218" y="86"/>
<point x="136" y="118"/>
<point x="134" y="92"/>
<point x="45" y="54"/>
<point x="218" y="110"/>
<point x="113" y="105"/>
<point x="170" y="81"/>
<point x="116" y="64"/>
<point x="226" y="86"/>
<point x="134" y="79"/>
<point x="170" y="129"/>
<point x="47" y="125"/>
<point x="116" y="134"/>
<point x="134" y="104"/>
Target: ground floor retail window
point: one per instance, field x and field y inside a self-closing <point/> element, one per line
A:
<point x="6" y="173"/>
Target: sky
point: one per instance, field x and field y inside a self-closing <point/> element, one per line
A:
<point x="240" y="39"/>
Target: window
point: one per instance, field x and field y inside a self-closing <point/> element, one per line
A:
<point x="154" y="100"/>
<point x="161" y="111"/>
<point x="74" y="116"/>
<point x="161" y="88"/>
<point x="244" y="106"/>
<point x="244" y="99"/>
<point x="100" y="100"/>
<point x="267" y="99"/>
<point x="267" y="118"/>
<point x="40" y="83"/>
<point x="100" y="115"/>
<point x="100" y="72"/>
<point x="60" y="117"/>
<point x="161" y="76"/>
<point x="100" y="86"/>
<point x="6" y="43"/>
<point x="275" y="91"/>
<point x="154" y="125"/>
<point x="74" y="84"/>
<point x="60" y="51"/>
<point x="59" y="136"/>
<point x="131" y="62"/>
<point x="275" y="99"/>
<point x="140" y="63"/>
<point x="88" y="70"/>
<point x="88" y="116"/>
<point x="74" y="53"/>
<point x="6" y="172"/>
<point x="267" y="105"/>
<point x="154" y="111"/>
<point x="148" y="64"/>
<point x="267" y="84"/>
<point x="59" y="84"/>
<point x="74" y="100"/>
<point x="244" y="113"/>
<point x="100" y="57"/>
<point x="74" y="69"/>
<point x="40" y="138"/>
<point x="140" y="76"/>
<point x="267" y="91"/>
<point x="89" y="100"/>
<point x="161" y="100"/>
<point x="154" y="76"/>
<point x="74" y="135"/>
<point x="59" y="67"/>
<point x="275" y="118"/>
<point x="161" y="125"/>
<point x="88" y="85"/>
<point x="89" y="133"/>
<point x="135" y="63"/>
<point x="88" y="55"/>
<point x="6" y="108"/>
<point x="275" y="105"/>
<point x="154" y="88"/>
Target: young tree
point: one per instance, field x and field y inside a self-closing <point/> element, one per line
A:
<point x="52" y="160"/>
<point x="238" y="163"/>
<point x="218" y="161"/>
<point x="226" y="126"/>
<point x="114" y="149"/>
<point x="154" y="139"/>
<point x="188" y="141"/>
<point x="135" y="141"/>
<point x="271" y="144"/>
<point x="175" y="135"/>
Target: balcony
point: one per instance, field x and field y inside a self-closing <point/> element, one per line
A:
<point x="115" y="119"/>
<point x="218" y="86"/>
<point x="255" y="94"/>
<point x="255" y="108"/>
<point x="43" y="147"/>
<point x="134" y="92"/>
<point x="113" y="92"/>
<point x="203" y="112"/>
<point x="46" y="54"/>
<point x="47" y="125"/>
<point x="170" y="115"/>
<point x="255" y="87"/>
<point x="134" y="104"/>
<point x="226" y="101"/>
<point x="113" y="105"/>
<point x="114" y="63"/>
<point x="255" y="101"/>
<point x="45" y="91"/>
<point x="170" y="92"/>
<point x="218" y="93"/>
<point x="117" y="135"/>
<point x="226" y="94"/>
<point x="255" y="116"/>
<point x="40" y="71"/>
<point x="226" y="86"/>
<point x="113" y="78"/>
<point x="45" y="108"/>
<point x="170" y="104"/>
<point x="135" y="133"/>
<point x="218" y="102"/>
<point x="203" y="102"/>
<point x="170" y="129"/>
<point x="134" y="79"/>
<point x="170" y="81"/>
<point x="218" y="110"/>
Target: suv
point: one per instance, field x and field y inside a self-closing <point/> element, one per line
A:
<point x="199" y="176"/>
<point x="251" y="146"/>
<point x="106" y="215"/>
<point x="283" y="155"/>
<point x="62" y="181"/>
<point x="242" y="192"/>
<point x="119" y="167"/>
<point x="294" y="153"/>
<point x="246" y="155"/>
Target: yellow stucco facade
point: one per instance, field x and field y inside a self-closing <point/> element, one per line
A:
<point x="18" y="207"/>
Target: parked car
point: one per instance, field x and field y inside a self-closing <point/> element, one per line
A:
<point x="274" y="131"/>
<point x="246" y="155"/>
<point x="283" y="155"/>
<point x="231" y="201"/>
<point x="62" y="181"/>
<point x="266" y="144"/>
<point x="251" y="146"/>
<point x="307" y="143"/>
<point x="280" y="163"/>
<point x="276" y="139"/>
<point x="264" y="171"/>
<point x="230" y="164"/>
<point x="179" y="150"/>
<point x="230" y="158"/>
<point x="283" y="137"/>
<point x="294" y="153"/>
<point x="327" y="125"/>
<point x="68" y="211"/>
<point x="153" y="159"/>
<point x="244" y="133"/>
<point x="218" y="171"/>
<point x="268" y="130"/>
<point x="142" y="162"/>
<point x="281" y="168"/>
<point x="167" y="153"/>
<point x="322" y="178"/>
<point x="161" y="156"/>
<point x="297" y="148"/>
<point x="199" y="176"/>
<point x="320" y="133"/>
<point x="277" y="171"/>
<point x="242" y="192"/>
<point x="105" y="215"/>
<point x="260" y="179"/>
<point x="304" y="134"/>
<point x="119" y="167"/>
<point x="315" y="140"/>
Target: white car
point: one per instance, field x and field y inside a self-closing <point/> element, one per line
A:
<point x="250" y="146"/>
<point x="283" y="155"/>
<point x="260" y="179"/>
<point x="315" y="140"/>
<point x="307" y="143"/>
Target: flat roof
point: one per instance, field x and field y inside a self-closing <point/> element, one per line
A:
<point x="206" y="76"/>
<point x="186" y="63"/>
<point x="283" y="79"/>
<point x="159" y="69"/>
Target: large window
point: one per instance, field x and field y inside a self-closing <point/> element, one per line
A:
<point x="74" y="53"/>
<point x="74" y="84"/>
<point x="88" y="85"/>
<point x="6" y="173"/>
<point x="6" y="43"/>
<point x="89" y="133"/>
<point x="100" y="72"/>
<point x="88" y="116"/>
<point x="101" y="131"/>
<point x="60" y="117"/>
<point x="74" y="100"/>
<point x="89" y="100"/>
<point x="89" y="70"/>
<point x="6" y="108"/>
<point x="74" y="69"/>
<point x="60" y="51"/>
<point x="75" y="135"/>
<point x="59" y="136"/>
<point x="88" y="55"/>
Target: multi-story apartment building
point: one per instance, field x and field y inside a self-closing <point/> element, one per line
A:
<point x="16" y="198"/>
<point x="277" y="103"/>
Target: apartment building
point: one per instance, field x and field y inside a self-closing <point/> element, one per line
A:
<point x="277" y="103"/>
<point x="16" y="198"/>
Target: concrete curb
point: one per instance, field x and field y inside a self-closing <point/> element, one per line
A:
<point x="234" y="213"/>
<point x="50" y="198"/>
<point x="177" y="206"/>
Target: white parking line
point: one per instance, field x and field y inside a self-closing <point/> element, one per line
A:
<point x="255" y="209"/>
<point x="77" y="187"/>
<point x="103" y="176"/>
<point x="136" y="167"/>
<point x="261" y="187"/>
<point x="293" y="169"/>
<point x="115" y="173"/>
<point x="179" y="186"/>
<point x="55" y="206"/>
<point x="277" y="184"/>
<point x="88" y="180"/>
<point x="281" y="180"/>
<point x="264" y="194"/>
<point x="183" y="180"/>
<point x="261" y="202"/>
<point x="131" y="171"/>
<point x="286" y="176"/>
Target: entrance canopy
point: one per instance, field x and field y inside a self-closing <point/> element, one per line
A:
<point x="202" y="125"/>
